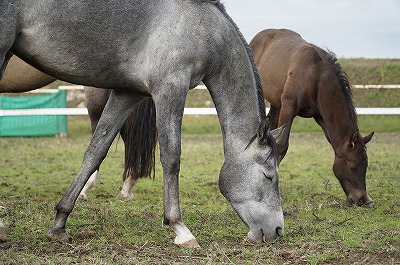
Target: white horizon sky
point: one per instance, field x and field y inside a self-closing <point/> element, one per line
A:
<point x="349" y="28"/>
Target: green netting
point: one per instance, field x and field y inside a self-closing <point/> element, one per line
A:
<point x="33" y="125"/>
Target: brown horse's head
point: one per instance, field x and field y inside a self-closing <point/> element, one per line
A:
<point x="350" y="167"/>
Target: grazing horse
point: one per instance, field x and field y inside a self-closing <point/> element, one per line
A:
<point x="21" y="77"/>
<point x="302" y="79"/>
<point x="158" y="49"/>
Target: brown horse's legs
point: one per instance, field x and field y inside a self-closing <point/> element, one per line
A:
<point x="274" y="117"/>
<point x="286" y="116"/>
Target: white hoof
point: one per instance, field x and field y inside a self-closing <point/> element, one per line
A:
<point x="190" y="244"/>
<point x="184" y="237"/>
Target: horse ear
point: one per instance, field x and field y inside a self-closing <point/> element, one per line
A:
<point x="353" y="139"/>
<point x="264" y="130"/>
<point x="276" y="133"/>
<point x="367" y="138"/>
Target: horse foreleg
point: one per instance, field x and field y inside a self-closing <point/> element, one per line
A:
<point x="119" y="106"/>
<point x="169" y="113"/>
<point x="274" y="116"/>
<point x="286" y="117"/>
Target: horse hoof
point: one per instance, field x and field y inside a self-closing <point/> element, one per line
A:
<point x="83" y="196"/>
<point x="190" y="244"/>
<point x="60" y="236"/>
<point x="125" y="197"/>
<point x="3" y="237"/>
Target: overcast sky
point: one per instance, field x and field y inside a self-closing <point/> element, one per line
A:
<point x="350" y="28"/>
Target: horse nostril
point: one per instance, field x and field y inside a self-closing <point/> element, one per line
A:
<point x="279" y="231"/>
<point x="360" y="202"/>
<point x="365" y="202"/>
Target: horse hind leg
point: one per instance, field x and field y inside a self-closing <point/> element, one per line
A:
<point x="89" y="184"/>
<point x="126" y="190"/>
<point x="3" y="237"/>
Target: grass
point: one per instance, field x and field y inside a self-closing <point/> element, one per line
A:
<point x="320" y="227"/>
<point x="372" y="71"/>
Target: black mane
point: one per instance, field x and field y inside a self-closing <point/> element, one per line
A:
<point x="260" y="94"/>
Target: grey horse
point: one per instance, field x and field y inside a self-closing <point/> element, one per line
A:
<point x="158" y="49"/>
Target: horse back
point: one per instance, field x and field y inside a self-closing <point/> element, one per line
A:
<point x="287" y="65"/>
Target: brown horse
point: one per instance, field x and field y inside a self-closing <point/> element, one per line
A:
<point x="21" y="77"/>
<point x="301" y="79"/>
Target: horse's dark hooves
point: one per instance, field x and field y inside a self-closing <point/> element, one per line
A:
<point x="60" y="236"/>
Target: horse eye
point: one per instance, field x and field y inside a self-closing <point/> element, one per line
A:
<point x="267" y="177"/>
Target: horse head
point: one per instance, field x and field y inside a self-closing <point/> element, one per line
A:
<point x="251" y="185"/>
<point x="350" y="167"/>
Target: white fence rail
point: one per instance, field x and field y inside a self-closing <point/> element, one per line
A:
<point x="187" y="111"/>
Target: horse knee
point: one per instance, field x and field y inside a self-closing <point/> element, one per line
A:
<point x="171" y="165"/>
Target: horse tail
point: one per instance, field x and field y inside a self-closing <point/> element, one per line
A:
<point x="139" y="134"/>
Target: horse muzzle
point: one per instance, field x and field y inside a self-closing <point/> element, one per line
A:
<point x="360" y="200"/>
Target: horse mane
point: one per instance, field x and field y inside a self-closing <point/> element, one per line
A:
<point x="344" y="83"/>
<point x="260" y="94"/>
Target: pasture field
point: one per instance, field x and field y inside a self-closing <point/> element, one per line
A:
<point x="320" y="227"/>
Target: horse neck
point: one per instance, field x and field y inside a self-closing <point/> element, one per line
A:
<point x="234" y="92"/>
<point x="338" y="113"/>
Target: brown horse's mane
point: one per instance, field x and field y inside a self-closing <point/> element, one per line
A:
<point x="347" y="91"/>
<point x="344" y="84"/>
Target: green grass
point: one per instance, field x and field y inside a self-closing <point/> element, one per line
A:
<point x="372" y="71"/>
<point x="320" y="227"/>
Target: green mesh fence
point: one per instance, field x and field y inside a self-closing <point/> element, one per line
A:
<point x="33" y="125"/>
